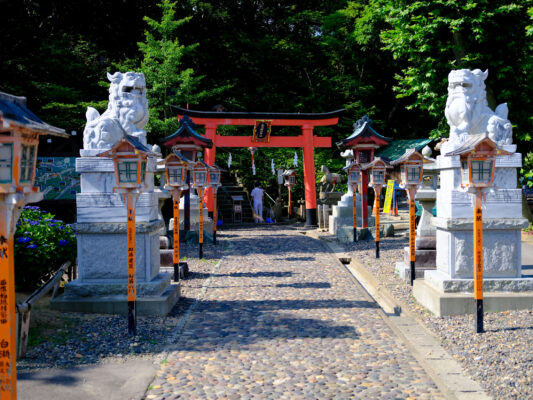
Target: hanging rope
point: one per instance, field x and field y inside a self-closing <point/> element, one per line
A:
<point x="272" y="166"/>
<point x="229" y="161"/>
<point x="295" y="161"/>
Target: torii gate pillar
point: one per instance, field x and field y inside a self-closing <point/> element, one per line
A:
<point x="211" y="121"/>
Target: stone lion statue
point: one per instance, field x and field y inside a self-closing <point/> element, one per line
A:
<point x="468" y="113"/>
<point x="126" y="114"/>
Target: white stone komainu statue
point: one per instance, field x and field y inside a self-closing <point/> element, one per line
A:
<point x="468" y="113"/>
<point x="126" y="114"/>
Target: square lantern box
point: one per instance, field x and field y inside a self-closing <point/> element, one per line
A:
<point x="129" y="157"/>
<point x="478" y="161"/>
<point x="18" y="158"/>
<point x="289" y="177"/>
<point x="176" y="167"/>
<point x="377" y="172"/>
<point x="199" y="175"/>
<point x="412" y="164"/>
<point x="354" y="172"/>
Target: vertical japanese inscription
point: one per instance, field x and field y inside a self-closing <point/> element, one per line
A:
<point x="176" y="209"/>
<point x="478" y="250"/>
<point x="132" y="273"/>
<point x="377" y="193"/>
<point x="201" y="216"/>
<point x="7" y="321"/>
<point x="412" y="217"/>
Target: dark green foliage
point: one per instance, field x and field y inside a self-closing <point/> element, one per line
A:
<point x="386" y="58"/>
<point x="42" y="244"/>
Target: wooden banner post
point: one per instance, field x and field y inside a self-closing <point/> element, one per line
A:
<point x="412" y="218"/>
<point x="214" y="215"/>
<point x="290" y="211"/>
<point x="132" y="265"/>
<point x="377" y="191"/>
<point x="478" y="262"/>
<point x="354" y="202"/>
<point x="201" y="223"/>
<point x="176" y="213"/>
<point x="8" y="329"/>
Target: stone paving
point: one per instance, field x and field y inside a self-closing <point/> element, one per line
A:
<point x="282" y="319"/>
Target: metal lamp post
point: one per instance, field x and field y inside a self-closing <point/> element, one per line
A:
<point x="129" y="158"/>
<point x="478" y="163"/>
<point x="176" y="167"/>
<point x="289" y="178"/>
<point x="19" y="137"/>
<point x="200" y="179"/>
<point x="377" y="170"/>
<point x="412" y="169"/>
<point x="354" y="172"/>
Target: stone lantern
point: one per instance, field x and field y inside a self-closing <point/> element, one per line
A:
<point x="19" y="136"/>
<point x="129" y="157"/>
<point x="478" y="162"/>
<point x="412" y="165"/>
<point x="176" y="168"/>
<point x="376" y="169"/>
<point x="289" y="178"/>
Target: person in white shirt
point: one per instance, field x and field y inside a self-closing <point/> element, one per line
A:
<point x="257" y="196"/>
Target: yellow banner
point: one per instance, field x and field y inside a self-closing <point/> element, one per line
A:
<point x="388" y="196"/>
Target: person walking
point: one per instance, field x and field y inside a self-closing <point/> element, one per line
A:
<point x="257" y="196"/>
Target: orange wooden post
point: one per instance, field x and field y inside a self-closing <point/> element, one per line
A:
<point x="478" y="262"/>
<point x="364" y="199"/>
<point x="290" y="211"/>
<point x="201" y="223"/>
<point x="176" y="211"/>
<point x="210" y="154"/>
<point x="132" y="267"/>
<point x="412" y="217"/>
<point x="354" y="201"/>
<point x="308" y="152"/>
<point x="377" y="190"/>
<point x="214" y="216"/>
<point x="8" y="329"/>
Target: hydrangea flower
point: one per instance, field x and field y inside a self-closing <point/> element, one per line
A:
<point x="51" y="224"/>
<point x="63" y="242"/>
<point x="32" y="246"/>
<point x="23" y="239"/>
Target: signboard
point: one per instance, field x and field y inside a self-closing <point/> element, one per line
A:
<point x="57" y="178"/>
<point x="262" y="131"/>
<point x="388" y="196"/>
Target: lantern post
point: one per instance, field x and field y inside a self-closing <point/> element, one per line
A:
<point x="354" y="172"/>
<point x="214" y="182"/>
<point x="19" y="137"/>
<point x="200" y="182"/>
<point x="176" y="169"/>
<point x="377" y="170"/>
<point x="289" y="177"/>
<point x="478" y="162"/>
<point x="412" y="163"/>
<point x="129" y="158"/>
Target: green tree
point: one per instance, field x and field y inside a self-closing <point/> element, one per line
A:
<point x="168" y="81"/>
<point x="429" y="39"/>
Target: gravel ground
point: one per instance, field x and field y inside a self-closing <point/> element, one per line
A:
<point x="69" y="339"/>
<point x="501" y="359"/>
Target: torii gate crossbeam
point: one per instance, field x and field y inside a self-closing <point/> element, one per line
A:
<point x="306" y="141"/>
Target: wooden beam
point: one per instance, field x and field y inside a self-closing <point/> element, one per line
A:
<point x="275" y="141"/>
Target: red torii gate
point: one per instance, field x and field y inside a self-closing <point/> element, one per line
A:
<point x="307" y="121"/>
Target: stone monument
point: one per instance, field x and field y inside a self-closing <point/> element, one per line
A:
<point x="101" y="285"/>
<point x="448" y="289"/>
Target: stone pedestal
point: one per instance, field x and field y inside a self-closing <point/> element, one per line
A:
<point x="101" y="285"/>
<point x="342" y="214"/>
<point x="502" y="224"/>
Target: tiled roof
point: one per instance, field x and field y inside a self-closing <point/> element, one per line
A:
<point x="397" y="148"/>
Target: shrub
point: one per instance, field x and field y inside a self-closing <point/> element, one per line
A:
<point x="42" y="244"/>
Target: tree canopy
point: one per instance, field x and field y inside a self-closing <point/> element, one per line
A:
<point x="388" y="59"/>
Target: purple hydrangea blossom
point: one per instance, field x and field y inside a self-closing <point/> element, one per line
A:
<point x="23" y="239"/>
<point x="63" y="242"/>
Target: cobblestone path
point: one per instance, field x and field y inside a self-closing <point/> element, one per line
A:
<point x="281" y="319"/>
